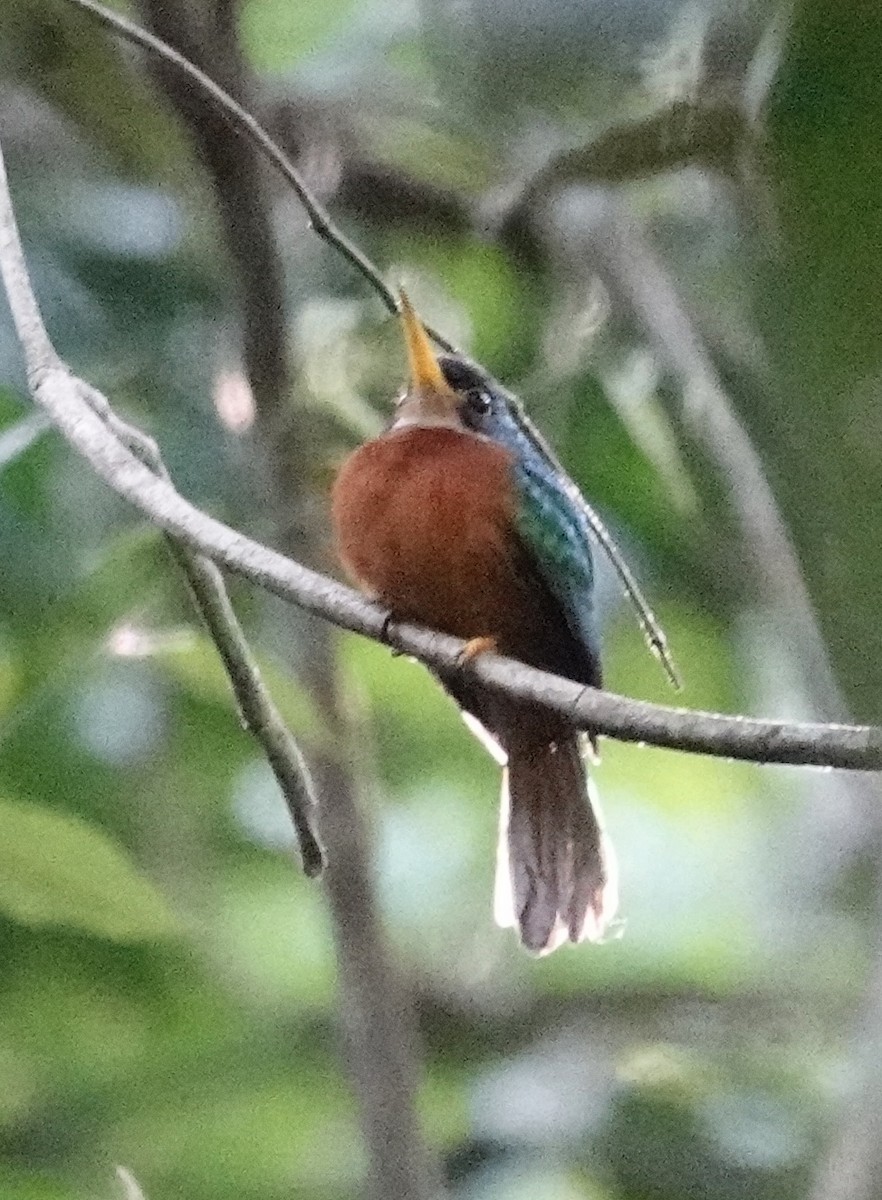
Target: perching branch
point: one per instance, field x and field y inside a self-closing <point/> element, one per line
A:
<point x="856" y="747"/>
<point x="69" y="402"/>
<point x="259" y="714"/>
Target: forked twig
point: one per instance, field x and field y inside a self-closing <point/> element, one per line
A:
<point x="258" y="711"/>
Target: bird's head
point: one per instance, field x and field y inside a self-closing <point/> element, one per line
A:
<point x="445" y="390"/>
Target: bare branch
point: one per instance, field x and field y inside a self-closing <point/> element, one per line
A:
<point x="259" y="714"/>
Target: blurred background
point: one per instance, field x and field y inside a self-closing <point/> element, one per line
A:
<point x="661" y="223"/>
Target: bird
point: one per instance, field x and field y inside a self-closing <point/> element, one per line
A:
<point x="453" y="518"/>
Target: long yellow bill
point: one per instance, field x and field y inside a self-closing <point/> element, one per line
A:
<point x="425" y="374"/>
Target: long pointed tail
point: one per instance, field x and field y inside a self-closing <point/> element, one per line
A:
<point x="556" y="871"/>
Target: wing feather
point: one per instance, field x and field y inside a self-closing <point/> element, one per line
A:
<point x="557" y="542"/>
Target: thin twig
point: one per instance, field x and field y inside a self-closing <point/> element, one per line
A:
<point x="259" y="714"/>
<point x="246" y="124"/>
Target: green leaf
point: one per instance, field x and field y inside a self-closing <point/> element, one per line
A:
<point x="57" y="870"/>
<point x="277" y="33"/>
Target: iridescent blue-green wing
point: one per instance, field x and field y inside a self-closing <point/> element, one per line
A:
<point x="556" y="538"/>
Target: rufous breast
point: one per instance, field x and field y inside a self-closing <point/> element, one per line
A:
<point x="424" y="520"/>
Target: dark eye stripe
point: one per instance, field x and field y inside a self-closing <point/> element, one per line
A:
<point x="460" y="376"/>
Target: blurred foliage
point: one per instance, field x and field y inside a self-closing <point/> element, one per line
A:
<point x="167" y="999"/>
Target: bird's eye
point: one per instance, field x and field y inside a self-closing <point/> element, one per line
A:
<point x="475" y="405"/>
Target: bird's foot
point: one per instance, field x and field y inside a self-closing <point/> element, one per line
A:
<point x="476" y="646"/>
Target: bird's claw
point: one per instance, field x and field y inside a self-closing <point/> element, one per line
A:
<point x="475" y="647"/>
